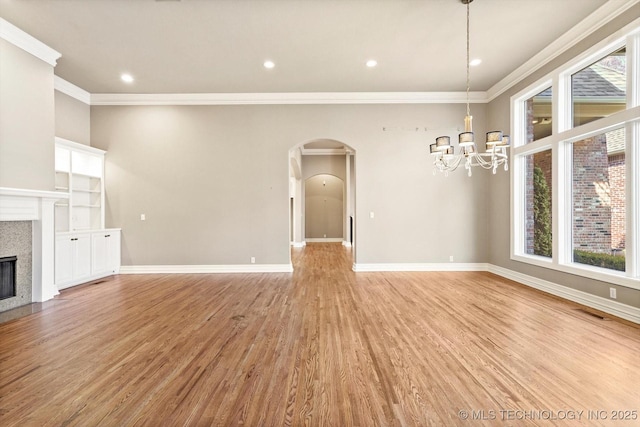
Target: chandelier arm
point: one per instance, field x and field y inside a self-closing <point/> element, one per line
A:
<point x="452" y="163"/>
<point x="485" y="163"/>
<point x="480" y="161"/>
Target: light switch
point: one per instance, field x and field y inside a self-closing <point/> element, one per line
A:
<point x="371" y="215"/>
<point x="143" y="217"/>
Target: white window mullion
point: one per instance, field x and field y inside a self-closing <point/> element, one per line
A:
<point x="633" y="70"/>
<point x="632" y="244"/>
<point x="517" y="226"/>
<point x="556" y="102"/>
<point x="563" y="106"/>
<point x="557" y="225"/>
<point x="632" y="132"/>
<point x="561" y="122"/>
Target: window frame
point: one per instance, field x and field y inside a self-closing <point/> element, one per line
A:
<point x="560" y="142"/>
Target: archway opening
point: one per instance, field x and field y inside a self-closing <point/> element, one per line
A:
<point x="317" y="157"/>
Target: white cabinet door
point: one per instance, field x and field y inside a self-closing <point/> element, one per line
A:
<point x="82" y="256"/>
<point x="105" y="252"/>
<point x="113" y="252"/>
<point x="64" y="259"/>
<point x="98" y="253"/>
<point x="73" y="258"/>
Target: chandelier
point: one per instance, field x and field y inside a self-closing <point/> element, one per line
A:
<point x="445" y="157"/>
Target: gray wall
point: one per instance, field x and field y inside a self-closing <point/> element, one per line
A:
<point x="213" y="181"/>
<point x="324" y="207"/>
<point x="73" y="119"/>
<point x="499" y="218"/>
<point x="26" y="120"/>
<point x="332" y="165"/>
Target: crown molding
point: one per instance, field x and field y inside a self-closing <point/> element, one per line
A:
<point x="285" y="98"/>
<point x="586" y="27"/>
<point x="61" y="85"/>
<point x="28" y="43"/>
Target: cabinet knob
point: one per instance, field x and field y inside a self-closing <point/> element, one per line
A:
<point x="107" y="235"/>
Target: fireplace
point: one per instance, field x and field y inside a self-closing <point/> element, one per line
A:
<point x="8" y="277"/>
<point x="16" y="267"/>
<point x="27" y="232"/>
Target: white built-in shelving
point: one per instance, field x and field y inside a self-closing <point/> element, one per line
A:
<point x="80" y="172"/>
<point x="85" y="250"/>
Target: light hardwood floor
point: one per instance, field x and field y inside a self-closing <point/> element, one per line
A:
<point x="321" y="346"/>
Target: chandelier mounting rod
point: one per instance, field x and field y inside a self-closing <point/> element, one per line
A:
<point x="468" y="58"/>
<point x="444" y="154"/>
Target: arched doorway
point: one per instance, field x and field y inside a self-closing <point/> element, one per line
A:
<point x="321" y="157"/>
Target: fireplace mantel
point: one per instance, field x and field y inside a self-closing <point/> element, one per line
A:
<point x="37" y="206"/>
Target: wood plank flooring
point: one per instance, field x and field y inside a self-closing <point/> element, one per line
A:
<point x="321" y="346"/>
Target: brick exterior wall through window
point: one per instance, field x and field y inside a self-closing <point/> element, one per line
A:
<point x="591" y="196"/>
<point x="618" y="218"/>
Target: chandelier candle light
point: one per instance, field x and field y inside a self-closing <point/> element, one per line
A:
<point x="445" y="158"/>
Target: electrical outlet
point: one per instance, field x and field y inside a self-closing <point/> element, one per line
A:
<point x="253" y="260"/>
<point x="612" y="293"/>
<point x="450" y="258"/>
<point x="372" y="215"/>
<point x="143" y="217"/>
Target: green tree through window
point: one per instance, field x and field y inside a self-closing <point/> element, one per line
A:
<point x="541" y="214"/>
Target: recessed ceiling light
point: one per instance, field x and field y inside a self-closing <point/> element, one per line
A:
<point x="372" y="63"/>
<point x="475" y="62"/>
<point x="269" y="64"/>
<point x="127" y="78"/>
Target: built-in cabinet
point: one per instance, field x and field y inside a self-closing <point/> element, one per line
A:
<point x="73" y="258"/>
<point x="85" y="250"/>
<point x="105" y="252"/>
<point x="82" y="256"/>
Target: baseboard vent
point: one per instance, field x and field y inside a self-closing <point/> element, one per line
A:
<point x="592" y="314"/>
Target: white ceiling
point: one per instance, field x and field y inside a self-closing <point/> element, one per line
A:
<point x="218" y="46"/>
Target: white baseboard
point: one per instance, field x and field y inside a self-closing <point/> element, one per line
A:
<point x="451" y="266"/>
<point x="298" y="244"/>
<point x="232" y="268"/>
<point x="325" y="240"/>
<point x="614" y="308"/>
<point x="346" y="244"/>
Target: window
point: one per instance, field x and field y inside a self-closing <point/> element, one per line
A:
<point x="598" y="200"/>
<point x="600" y="89"/>
<point x="538" y="185"/>
<point x="576" y="165"/>
<point x="538" y="112"/>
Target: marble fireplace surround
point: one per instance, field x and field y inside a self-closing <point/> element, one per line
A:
<point x="38" y="207"/>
